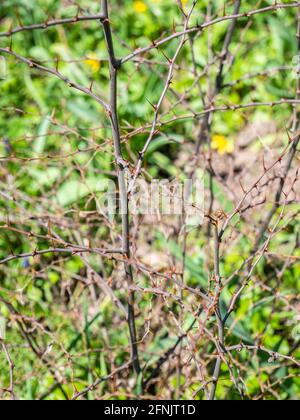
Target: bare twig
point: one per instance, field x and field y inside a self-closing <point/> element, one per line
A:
<point x="114" y="65"/>
<point x="49" y="24"/>
<point x="10" y="390"/>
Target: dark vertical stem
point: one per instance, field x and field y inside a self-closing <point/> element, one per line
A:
<point x="206" y="122"/>
<point x="114" y="66"/>
<point x="205" y="130"/>
<point x="221" y="337"/>
<point x="290" y="158"/>
<point x="282" y="181"/>
<point x="226" y="45"/>
<point x="11" y="369"/>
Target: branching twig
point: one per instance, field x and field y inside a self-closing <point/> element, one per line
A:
<point x="55" y="73"/>
<point x="10" y="390"/>
<point x="114" y="65"/>
<point x="50" y="24"/>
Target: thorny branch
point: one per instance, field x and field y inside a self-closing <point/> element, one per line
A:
<point x="121" y="168"/>
<point x="203" y="343"/>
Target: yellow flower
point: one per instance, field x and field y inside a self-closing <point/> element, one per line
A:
<point x="140" y="6"/>
<point x="93" y="62"/>
<point x="222" y="144"/>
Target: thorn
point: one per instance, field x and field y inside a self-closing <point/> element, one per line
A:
<point x="135" y="45"/>
<point x="170" y="81"/>
<point x="166" y="57"/>
<point x="57" y="64"/>
<point x="288" y="134"/>
<point x="19" y="19"/>
<point x="243" y="189"/>
<point x="52" y="117"/>
<point x="297" y="134"/>
<point x="154" y="43"/>
<point x="153" y="106"/>
<point x="264" y="163"/>
<point x="174" y="27"/>
<point x="47" y="20"/>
